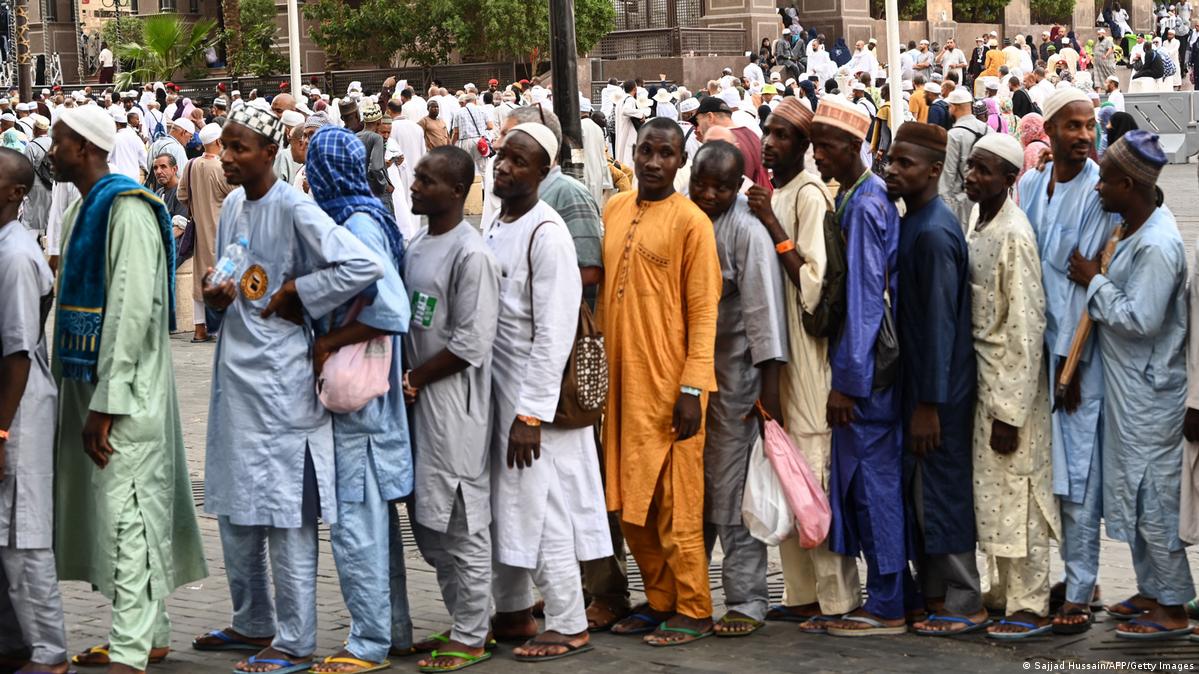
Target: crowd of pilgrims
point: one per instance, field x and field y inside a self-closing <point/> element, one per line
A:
<point x="935" y="321"/>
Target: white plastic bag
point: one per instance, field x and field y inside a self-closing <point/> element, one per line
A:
<point x="764" y="506"/>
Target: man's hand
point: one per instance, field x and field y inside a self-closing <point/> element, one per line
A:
<point x="411" y="391"/>
<point x="1081" y="270"/>
<point x="1073" y="398"/>
<point x="218" y="297"/>
<point x="924" y="431"/>
<point x="684" y="422"/>
<point x="320" y="354"/>
<point x="759" y="203"/>
<point x="524" y="444"/>
<point x="1044" y="159"/>
<point x="95" y="438"/>
<point x="840" y="409"/>
<point x="1004" y="438"/>
<point x="53" y="263"/>
<point x="1190" y="426"/>
<point x="286" y="303"/>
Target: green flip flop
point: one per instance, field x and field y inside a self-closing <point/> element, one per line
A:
<point x="695" y="635"/>
<point x="467" y="661"/>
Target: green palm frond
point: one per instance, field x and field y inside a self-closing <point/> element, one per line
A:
<point x="168" y="45"/>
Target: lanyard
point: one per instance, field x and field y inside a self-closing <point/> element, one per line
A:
<point x="849" y="194"/>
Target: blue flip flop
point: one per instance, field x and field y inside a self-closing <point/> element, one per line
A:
<point x="285" y="666"/>
<point x="1125" y="616"/>
<point x="1032" y="630"/>
<point x="230" y="643"/>
<point x="1162" y="632"/>
<point x="782" y="614"/>
<point x="650" y="624"/>
<point x="971" y="626"/>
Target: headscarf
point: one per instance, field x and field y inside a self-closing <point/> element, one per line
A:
<point x="994" y="119"/>
<point x="1120" y="124"/>
<point x="1033" y="138"/>
<point x="336" y="173"/>
<point x="808" y="91"/>
<point x="1105" y="115"/>
<point x="840" y="54"/>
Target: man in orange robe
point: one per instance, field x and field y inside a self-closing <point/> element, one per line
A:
<point x="658" y="312"/>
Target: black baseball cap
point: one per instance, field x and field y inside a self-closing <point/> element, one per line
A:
<point x="713" y="104"/>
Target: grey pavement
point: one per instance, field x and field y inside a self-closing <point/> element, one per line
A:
<point x="777" y="648"/>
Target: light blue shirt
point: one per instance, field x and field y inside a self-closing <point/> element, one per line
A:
<point x="264" y="415"/>
<point x="379" y="431"/>
<point x="1072" y="219"/>
<point x="1140" y="313"/>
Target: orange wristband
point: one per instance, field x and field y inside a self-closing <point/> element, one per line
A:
<point x="784" y="247"/>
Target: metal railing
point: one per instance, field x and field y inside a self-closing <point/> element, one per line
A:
<point x="667" y="42"/>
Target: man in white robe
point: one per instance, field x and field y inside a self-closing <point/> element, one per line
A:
<point x="405" y="147"/>
<point x="1015" y="511"/>
<point x="595" y="162"/>
<point x="547" y="502"/>
<point x="627" y="110"/>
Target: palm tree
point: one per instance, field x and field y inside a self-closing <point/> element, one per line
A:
<point x="231" y="13"/>
<point x="169" y="45"/>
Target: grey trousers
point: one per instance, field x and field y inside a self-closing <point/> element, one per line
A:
<point x="953" y="576"/>
<point x="743" y="569"/>
<point x="463" y="564"/>
<point x="30" y="605"/>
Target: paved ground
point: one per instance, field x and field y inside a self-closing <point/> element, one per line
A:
<point x="778" y="648"/>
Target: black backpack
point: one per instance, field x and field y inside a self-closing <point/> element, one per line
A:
<point x="41" y="167"/>
<point x="827" y="317"/>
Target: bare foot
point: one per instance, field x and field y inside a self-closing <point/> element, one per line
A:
<point x="863" y="613"/>
<point x="268" y="653"/>
<point x="635" y="622"/>
<point x="949" y="626"/>
<point x="1169" y="617"/>
<point x="601" y="616"/>
<point x="515" y="626"/>
<point x="1072" y="615"/>
<point x="1018" y="616"/>
<point x="800" y="612"/>
<point x="450" y="661"/>
<point x="207" y="640"/>
<point x="660" y="637"/>
<point x="550" y="643"/>
<point x="735" y="622"/>
<point x="1139" y="603"/>
<point x="336" y="667"/>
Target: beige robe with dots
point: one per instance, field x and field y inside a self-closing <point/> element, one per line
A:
<point x="1015" y="509"/>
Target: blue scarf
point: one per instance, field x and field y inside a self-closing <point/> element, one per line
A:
<point x="82" y="286"/>
<point x="336" y="173"/>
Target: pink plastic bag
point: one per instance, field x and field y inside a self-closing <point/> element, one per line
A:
<point x="356" y="374"/>
<point x="807" y="499"/>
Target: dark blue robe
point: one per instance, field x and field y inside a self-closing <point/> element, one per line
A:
<point x="865" y="487"/>
<point x="936" y="347"/>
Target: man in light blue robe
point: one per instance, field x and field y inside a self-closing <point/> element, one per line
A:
<point x="1064" y="211"/>
<point x="372" y="451"/>
<point x="269" y="466"/>
<point x="1139" y="305"/>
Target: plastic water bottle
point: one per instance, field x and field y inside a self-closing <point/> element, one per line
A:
<point x="231" y="263"/>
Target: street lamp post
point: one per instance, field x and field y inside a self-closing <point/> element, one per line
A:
<point x="564" y="69"/>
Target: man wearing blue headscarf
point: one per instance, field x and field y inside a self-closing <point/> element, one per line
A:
<point x="371" y="447"/>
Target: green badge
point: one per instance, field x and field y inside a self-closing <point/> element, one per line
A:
<point x="423" y="308"/>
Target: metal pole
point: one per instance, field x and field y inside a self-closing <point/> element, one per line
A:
<point x="293" y="45"/>
<point x="116" y="60"/>
<point x="893" y="75"/>
<point x="564" y="69"/>
<point x="24" y="71"/>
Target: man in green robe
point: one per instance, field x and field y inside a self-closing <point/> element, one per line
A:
<point x="125" y="521"/>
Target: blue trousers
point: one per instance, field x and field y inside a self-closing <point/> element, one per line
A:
<point x="884" y="591"/>
<point x="364" y="542"/>
<point x="1080" y="541"/>
<point x="1162" y="573"/>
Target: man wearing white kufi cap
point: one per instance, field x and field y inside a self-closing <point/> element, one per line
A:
<point x="37" y="204"/>
<point x="1063" y="208"/>
<point x="1016" y="515"/>
<point x="203" y="188"/>
<point x="285" y="166"/>
<point x="128" y="155"/>
<point x="547" y="503"/>
<point x="124" y="514"/>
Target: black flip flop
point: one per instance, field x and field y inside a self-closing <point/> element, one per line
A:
<point x="1074" y="629"/>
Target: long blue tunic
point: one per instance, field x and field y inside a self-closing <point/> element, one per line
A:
<point x="1140" y="312"/>
<point x="1071" y="220"/>
<point x="936" y="346"/>
<point x="264" y="415"/>
<point x="869" y="449"/>
<point x="379" y="431"/>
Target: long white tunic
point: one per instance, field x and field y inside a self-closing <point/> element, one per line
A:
<point x="626" y="133"/>
<point x="595" y="163"/>
<point x="1008" y="317"/>
<point x="1188" y="528"/>
<point x="529" y="357"/>
<point x="407" y="140"/>
<point x="27" y="490"/>
<point x="128" y="154"/>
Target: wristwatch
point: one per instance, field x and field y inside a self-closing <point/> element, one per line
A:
<point x="690" y="390"/>
<point x="531" y="422"/>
